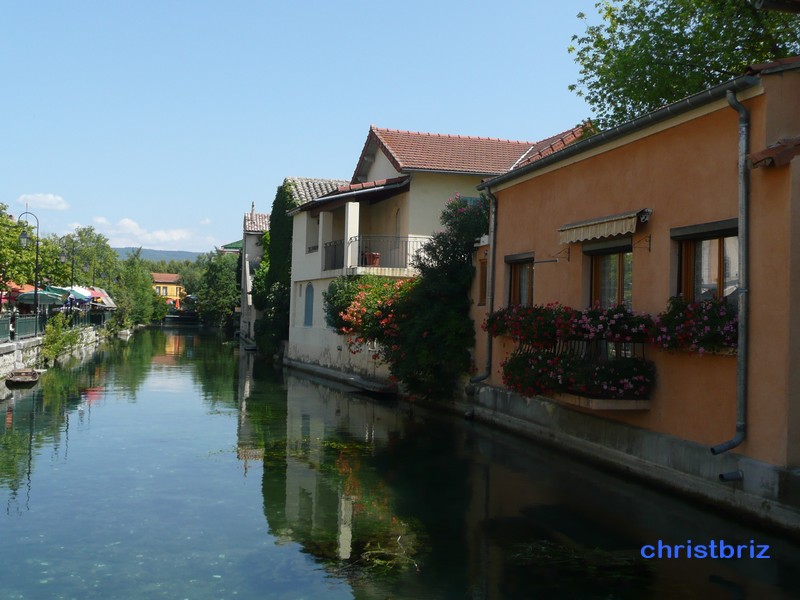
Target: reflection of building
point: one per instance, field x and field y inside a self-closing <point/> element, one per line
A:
<point x="325" y="500"/>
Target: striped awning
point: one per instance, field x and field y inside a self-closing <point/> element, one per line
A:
<point x="603" y="227"/>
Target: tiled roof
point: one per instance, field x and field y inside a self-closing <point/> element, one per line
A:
<point x="354" y="187"/>
<point x="552" y="144"/>
<point x="255" y="222"/>
<point x="305" y="189"/>
<point x="413" y="151"/>
<point x="165" y="277"/>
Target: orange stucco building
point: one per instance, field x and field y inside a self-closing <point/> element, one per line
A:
<point x="705" y="176"/>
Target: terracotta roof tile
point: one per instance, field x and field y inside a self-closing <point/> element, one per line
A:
<point x="551" y="145"/>
<point x="354" y="187"/>
<point x="306" y="189"/>
<point x="165" y="277"/>
<point x="255" y="222"/>
<point x="414" y="151"/>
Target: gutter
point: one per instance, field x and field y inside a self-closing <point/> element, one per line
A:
<point x="490" y="291"/>
<point x="718" y="92"/>
<point x="744" y="292"/>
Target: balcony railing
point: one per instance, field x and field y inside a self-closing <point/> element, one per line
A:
<point x="385" y="250"/>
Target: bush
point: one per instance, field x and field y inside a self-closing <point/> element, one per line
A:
<point x="340" y="294"/>
<point x="59" y="338"/>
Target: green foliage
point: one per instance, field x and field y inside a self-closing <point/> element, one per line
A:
<point x="423" y="325"/>
<point x="271" y="288"/>
<point x="645" y="54"/>
<point x="160" y="308"/>
<point x="261" y="277"/>
<point x="273" y="326"/>
<point x="59" y="337"/>
<point x="218" y="294"/>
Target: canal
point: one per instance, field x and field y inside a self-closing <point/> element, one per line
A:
<point x="173" y="466"/>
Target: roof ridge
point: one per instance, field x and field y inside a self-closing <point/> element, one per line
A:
<point x="450" y="135"/>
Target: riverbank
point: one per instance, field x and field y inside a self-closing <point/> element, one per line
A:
<point x="27" y="353"/>
<point x="730" y="482"/>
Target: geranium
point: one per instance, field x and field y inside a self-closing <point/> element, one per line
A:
<point x="614" y="324"/>
<point x="533" y="325"/>
<point x="709" y="325"/>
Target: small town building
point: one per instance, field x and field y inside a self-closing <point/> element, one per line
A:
<point x="696" y="202"/>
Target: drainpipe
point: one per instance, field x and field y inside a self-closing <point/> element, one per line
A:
<point x="490" y="291"/>
<point x="744" y="201"/>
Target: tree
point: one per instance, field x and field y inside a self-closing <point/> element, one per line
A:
<point x="16" y="264"/>
<point x="272" y="292"/>
<point x="648" y="53"/>
<point x="260" y="290"/>
<point x="218" y="293"/>
<point x="134" y="293"/>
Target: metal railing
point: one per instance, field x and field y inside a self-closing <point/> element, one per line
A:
<point x="27" y="326"/>
<point x="20" y="327"/>
<point x="5" y="328"/>
<point x="385" y="250"/>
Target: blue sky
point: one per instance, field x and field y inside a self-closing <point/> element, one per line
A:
<point x="159" y="123"/>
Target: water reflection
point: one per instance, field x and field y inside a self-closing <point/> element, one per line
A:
<point x="174" y="466"/>
<point x="412" y="502"/>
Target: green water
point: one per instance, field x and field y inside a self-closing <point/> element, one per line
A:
<point x="171" y="466"/>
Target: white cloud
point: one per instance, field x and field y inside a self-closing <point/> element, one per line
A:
<point x="43" y="201"/>
<point x="206" y="221"/>
<point x="127" y="232"/>
<point x="101" y="221"/>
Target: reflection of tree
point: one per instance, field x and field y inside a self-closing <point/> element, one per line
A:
<point x="128" y="364"/>
<point x="214" y="370"/>
<point x="14" y="452"/>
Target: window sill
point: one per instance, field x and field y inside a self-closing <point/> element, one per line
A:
<point x="602" y="403"/>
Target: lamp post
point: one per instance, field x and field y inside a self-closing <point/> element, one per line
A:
<point x="63" y="258"/>
<point x="24" y="240"/>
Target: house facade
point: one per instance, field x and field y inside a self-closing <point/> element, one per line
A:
<point x="254" y="226"/>
<point x="376" y="223"/>
<point x="699" y="199"/>
<point x="168" y="286"/>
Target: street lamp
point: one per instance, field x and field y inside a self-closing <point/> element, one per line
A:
<point x="63" y="258"/>
<point x="24" y="240"/>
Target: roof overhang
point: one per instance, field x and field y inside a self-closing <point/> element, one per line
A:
<point x="367" y="192"/>
<point x="603" y="227"/>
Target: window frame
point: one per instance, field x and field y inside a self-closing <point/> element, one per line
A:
<point x="516" y="263"/>
<point x="596" y="250"/>
<point x="688" y="238"/>
<point x="483" y="272"/>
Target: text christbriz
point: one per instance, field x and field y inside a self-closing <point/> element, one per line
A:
<point x="710" y="549"/>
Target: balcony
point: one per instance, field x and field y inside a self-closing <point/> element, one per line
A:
<point x="378" y="251"/>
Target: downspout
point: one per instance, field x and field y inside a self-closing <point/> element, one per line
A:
<point x="743" y="300"/>
<point x="490" y="291"/>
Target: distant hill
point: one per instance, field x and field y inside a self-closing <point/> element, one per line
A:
<point x="156" y="255"/>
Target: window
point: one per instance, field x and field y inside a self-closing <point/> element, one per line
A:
<point x="521" y="277"/>
<point x="612" y="279"/>
<point x="612" y="271"/>
<point x="710" y="268"/>
<point x="308" y="320"/>
<point x="709" y="260"/>
<point x="482" y="281"/>
<point x="158" y="290"/>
